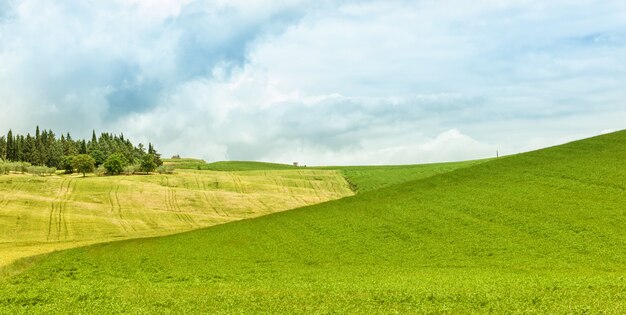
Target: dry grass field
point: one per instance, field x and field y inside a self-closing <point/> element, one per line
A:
<point x="44" y="214"/>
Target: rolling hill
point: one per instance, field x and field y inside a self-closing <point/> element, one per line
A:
<point x="539" y="232"/>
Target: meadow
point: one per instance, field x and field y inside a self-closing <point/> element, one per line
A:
<point x="539" y="232"/>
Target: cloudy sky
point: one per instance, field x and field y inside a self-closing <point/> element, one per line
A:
<point x="320" y="82"/>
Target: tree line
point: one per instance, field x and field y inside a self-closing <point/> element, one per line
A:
<point x="110" y="153"/>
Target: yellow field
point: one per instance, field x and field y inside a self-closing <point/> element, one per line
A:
<point x="43" y="214"/>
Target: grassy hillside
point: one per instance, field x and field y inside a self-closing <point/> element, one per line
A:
<point x="231" y="166"/>
<point x="542" y="232"/>
<point x="41" y="214"/>
<point x="366" y="178"/>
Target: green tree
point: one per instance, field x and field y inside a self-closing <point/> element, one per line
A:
<point x="147" y="164"/>
<point x="67" y="164"/>
<point x="82" y="147"/>
<point x="98" y="156"/>
<point x="29" y="150"/>
<point x="55" y="154"/>
<point x="3" y="148"/>
<point x="157" y="156"/>
<point x="115" y="163"/>
<point x="83" y="163"/>
<point x="11" y="151"/>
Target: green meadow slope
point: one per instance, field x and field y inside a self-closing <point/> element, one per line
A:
<point x="366" y="178"/>
<point x="540" y="232"/>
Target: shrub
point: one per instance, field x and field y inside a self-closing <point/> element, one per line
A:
<point x="165" y="169"/>
<point x="66" y="164"/>
<point x="115" y="164"/>
<point x="100" y="170"/>
<point x="148" y="163"/>
<point x="84" y="163"/>
<point x="131" y="169"/>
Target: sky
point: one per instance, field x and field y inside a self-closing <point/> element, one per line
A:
<point x="319" y="82"/>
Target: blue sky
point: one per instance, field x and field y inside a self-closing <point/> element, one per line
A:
<point x="320" y="82"/>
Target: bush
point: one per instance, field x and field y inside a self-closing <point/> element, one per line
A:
<point x="4" y="168"/>
<point x="66" y="164"/>
<point x="148" y="163"/>
<point x="100" y="170"/>
<point x="115" y="164"/>
<point x="165" y="169"/>
<point x="41" y="170"/>
<point x="35" y="170"/>
<point x="23" y="167"/>
<point x="131" y="169"/>
<point x="84" y="163"/>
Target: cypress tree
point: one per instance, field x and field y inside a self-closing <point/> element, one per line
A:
<point x="83" y="147"/>
<point x="10" y="147"/>
<point x="3" y="148"/>
<point x="19" y="147"/>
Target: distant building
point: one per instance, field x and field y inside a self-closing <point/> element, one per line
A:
<point x="295" y="164"/>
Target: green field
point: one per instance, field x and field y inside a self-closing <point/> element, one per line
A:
<point x="540" y="232"/>
<point x="42" y="214"/>
<point x="196" y="164"/>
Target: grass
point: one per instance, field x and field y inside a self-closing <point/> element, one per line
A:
<point x="541" y="232"/>
<point x="366" y="178"/>
<point x="43" y="214"/>
<point x="228" y="166"/>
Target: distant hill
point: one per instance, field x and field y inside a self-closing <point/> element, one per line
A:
<point x="198" y="164"/>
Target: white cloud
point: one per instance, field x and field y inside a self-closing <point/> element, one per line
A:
<point x="320" y="82"/>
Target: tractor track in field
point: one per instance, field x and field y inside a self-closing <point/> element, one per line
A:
<point x="119" y="207"/>
<point x="52" y="210"/>
<point x="313" y="188"/>
<point x="264" y="207"/>
<point x="14" y="188"/>
<point x="116" y="208"/>
<point x="187" y="217"/>
<point x="172" y="205"/>
<point x="241" y="185"/>
<point x="57" y="222"/>
<point x="212" y="202"/>
<point x="65" y="202"/>
<point x="237" y="184"/>
<point x="279" y="188"/>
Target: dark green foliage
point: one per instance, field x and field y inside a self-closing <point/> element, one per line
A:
<point x="44" y="149"/>
<point x="157" y="156"/>
<point x="66" y="164"/>
<point x="3" y="148"/>
<point x="115" y="164"/>
<point x="11" y="151"/>
<point x="83" y="163"/>
<point x="82" y="147"/>
<point x="97" y="156"/>
<point x="148" y="163"/>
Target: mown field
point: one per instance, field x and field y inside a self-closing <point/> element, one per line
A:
<point x="42" y="214"/>
<point x="540" y="232"/>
